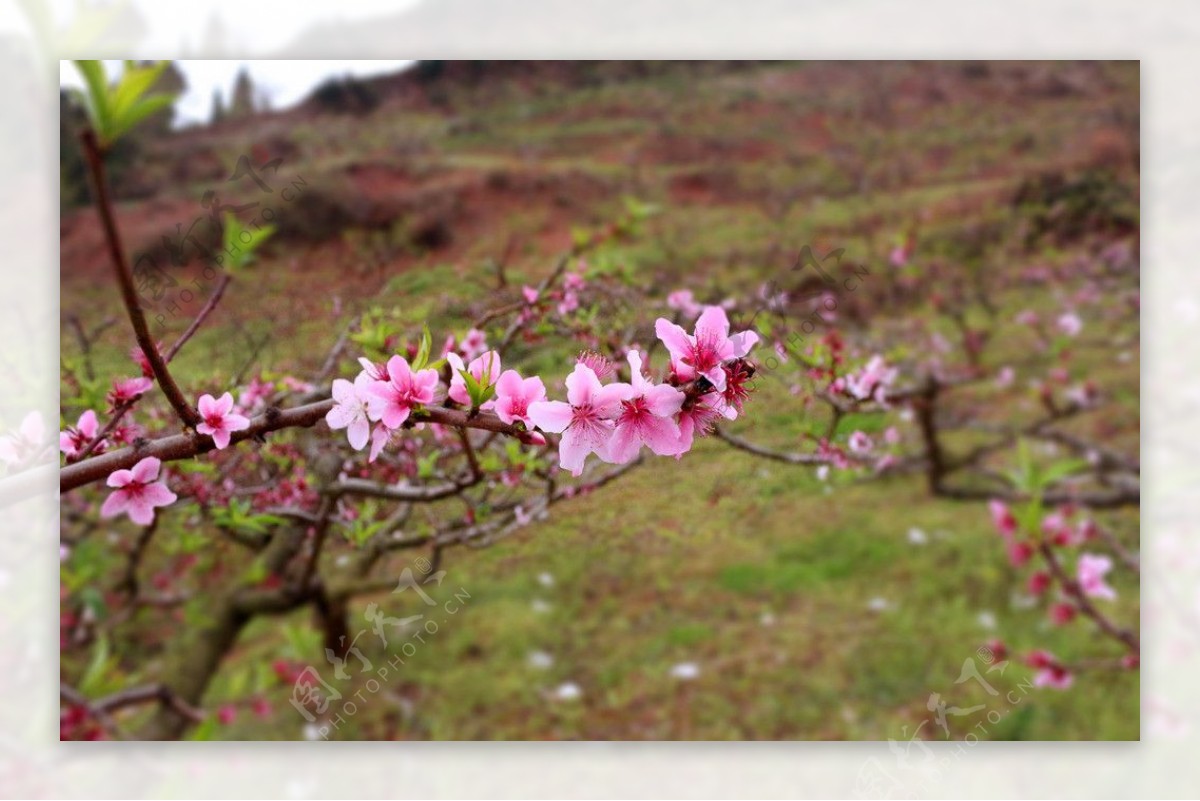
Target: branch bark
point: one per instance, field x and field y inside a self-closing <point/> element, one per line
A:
<point x="95" y="161"/>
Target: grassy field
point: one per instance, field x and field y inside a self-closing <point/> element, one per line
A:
<point x="805" y="609"/>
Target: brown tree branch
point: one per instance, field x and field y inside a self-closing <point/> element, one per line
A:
<point x="189" y="444"/>
<point x="95" y="161"/>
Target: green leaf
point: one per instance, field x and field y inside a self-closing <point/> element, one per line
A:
<point x="205" y="730"/>
<point x="115" y="109"/>
<point x="1062" y="469"/>
<point x="93" y="678"/>
<point x="423" y="350"/>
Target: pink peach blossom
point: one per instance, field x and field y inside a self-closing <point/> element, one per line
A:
<point x="1062" y="613"/>
<point x="27" y="444"/>
<point x="697" y="419"/>
<point x="684" y="301"/>
<point x="75" y="439"/>
<point x="138" y="492"/>
<point x="256" y="393"/>
<point x="645" y="418"/>
<point x="1019" y="553"/>
<point x="474" y="343"/>
<point x="574" y="281"/>
<point x="704" y="352"/>
<point x="1090" y="574"/>
<point x="350" y="409"/>
<point x="860" y="443"/>
<point x="1054" y="676"/>
<point x="1026" y="317"/>
<point x="515" y="394"/>
<point x="1070" y="324"/>
<point x="127" y="390"/>
<point x="872" y="380"/>
<point x="392" y="401"/>
<point x="220" y="421"/>
<point x="586" y="421"/>
<point x="1039" y="582"/>
<point x="569" y="303"/>
<point x="1002" y="518"/>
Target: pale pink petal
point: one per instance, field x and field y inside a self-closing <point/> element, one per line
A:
<point x="146" y="470"/>
<point x="578" y="441"/>
<point x="487" y="366"/>
<point x="339" y="417"/>
<point x="504" y="410"/>
<point x="398" y="371"/>
<point x="532" y="389"/>
<point x="379" y="438"/>
<point x="743" y="343"/>
<point x="636" y="379"/>
<point x="660" y="434"/>
<point x="87" y="424"/>
<point x="220" y="437"/>
<point x="224" y="404"/>
<point x="115" y="503"/>
<point x="358" y="432"/>
<point x="208" y="406"/>
<point x="343" y="390"/>
<point x="582" y="384"/>
<point x="32" y="429"/>
<point x="551" y="416"/>
<point x="716" y="377"/>
<point x="362" y="383"/>
<point x="664" y="400"/>
<point x="678" y="343"/>
<point x="394" y="415"/>
<point x="713" y="322"/>
<point x="424" y="384"/>
<point x="158" y="494"/>
<point x="119" y="478"/>
<point x="607" y="400"/>
<point x="624" y="444"/>
<point x="509" y="384"/>
<point x="237" y="422"/>
<point x="687" y="430"/>
<point x="140" y="510"/>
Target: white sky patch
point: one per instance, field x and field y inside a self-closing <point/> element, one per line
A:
<point x="283" y="82"/>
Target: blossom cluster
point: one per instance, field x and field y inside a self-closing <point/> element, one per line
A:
<point x="708" y="378"/>
<point x="1057" y="531"/>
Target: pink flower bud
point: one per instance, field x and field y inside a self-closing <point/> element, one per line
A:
<point x="1062" y="613"/>
<point x="1019" y="553"/>
<point x="1039" y="582"/>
